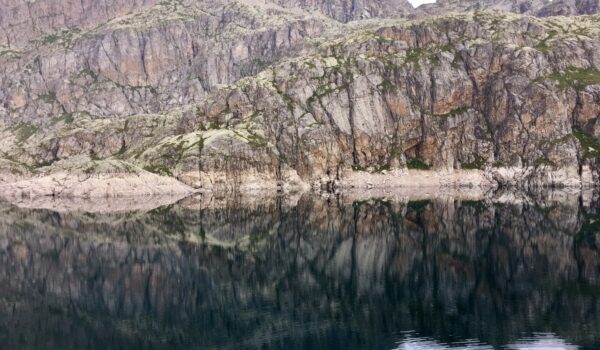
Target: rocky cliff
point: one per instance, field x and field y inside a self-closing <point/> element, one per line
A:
<point x="541" y="8"/>
<point x="240" y="95"/>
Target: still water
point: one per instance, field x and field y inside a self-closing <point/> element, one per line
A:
<point x="313" y="272"/>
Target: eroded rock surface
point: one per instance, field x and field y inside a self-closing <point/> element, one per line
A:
<point x="243" y="96"/>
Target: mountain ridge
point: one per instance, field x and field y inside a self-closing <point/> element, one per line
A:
<point x="278" y="98"/>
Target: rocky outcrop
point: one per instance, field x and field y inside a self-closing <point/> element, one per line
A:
<point x="542" y="8"/>
<point x="24" y="21"/>
<point x="161" y="58"/>
<point x="479" y="99"/>
<point x="351" y="10"/>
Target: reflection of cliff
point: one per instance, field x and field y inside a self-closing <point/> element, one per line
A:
<point x="330" y="272"/>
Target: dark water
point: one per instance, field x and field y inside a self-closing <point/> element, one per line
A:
<point x="322" y="273"/>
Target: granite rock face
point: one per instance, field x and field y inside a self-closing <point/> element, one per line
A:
<point x="351" y="10"/>
<point x="163" y="57"/>
<point x="247" y="95"/>
<point x="541" y="8"/>
<point x="23" y="21"/>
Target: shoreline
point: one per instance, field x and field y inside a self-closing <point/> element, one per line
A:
<point x="121" y="184"/>
<point x="119" y="192"/>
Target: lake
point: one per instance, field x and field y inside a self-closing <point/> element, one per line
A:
<point x="393" y="271"/>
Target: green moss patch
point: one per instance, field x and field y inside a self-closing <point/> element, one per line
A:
<point x="454" y="112"/>
<point x="49" y="97"/>
<point x="543" y="44"/>
<point x="477" y="163"/>
<point x="590" y="146"/>
<point x="576" y="78"/>
<point x="23" y="131"/>
<point x="418" y="164"/>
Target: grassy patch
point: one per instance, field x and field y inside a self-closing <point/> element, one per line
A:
<point x="357" y="167"/>
<point x="386" y="85"/>
<point x="50" y="39"/>
<point x="121" y="150"/>
<point x="158" y="169"/>
<point x="543" y="44"/>
<point x="49" y="97"/>
<point x="212" y="125"/>
<point x="256" y="140"/>
<point x="66" y="118"/>
<point x="382" y="168"/>
<point x="413" y="56"/>
<point x="88" y="72"/>
<point x="590" y="146"/>
<point x="417" y="163"/>
<point x="477" y="163"/>
<point x="23" y="131"/>
<point x="454" y="112"/>
<point x="544" y="161"/>
<point x="576" y="78"/>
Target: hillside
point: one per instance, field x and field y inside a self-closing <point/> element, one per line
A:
<point x="240" y="95"/>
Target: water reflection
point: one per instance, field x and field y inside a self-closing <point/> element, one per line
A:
<point x="338" y="272"/>
<point x="546" y="341"/>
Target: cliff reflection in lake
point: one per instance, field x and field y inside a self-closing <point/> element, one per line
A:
<point x="314" y="272"/>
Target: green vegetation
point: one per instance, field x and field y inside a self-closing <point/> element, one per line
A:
<point x="576" y="78"/>
<point x="9" y="53"/>
<point x="417" y="163"/>
<point x="544" y="161"/>
<point x="415" y="55"/>
<point x="66" y="118"/>
<point x="169" y="154"/>
<point x="289" y="102"/>
<point x="376" y="169"/>
<point x="323" y="90"/>
<point x="256" y="140"/>
<point x="49" y="97"/>
<point x="418" y="205"/>
<point x="88" y="72"/>
<point x="386" y="85"/>
<point x="382" y="168"/>
<point x="212" y="125"/>
<point x="23" y="131"/>
<point x="590" y="146"/>
<point x="357" y="167"/>
<point x="454" y="112"/>
<point x="158" y="169"/>
<point x="121" y="150"/>
<point x="477" y="163"/>
<point x="50" y="39"/>
<point x="543" y="44"/>
<point x="66" y="37"/>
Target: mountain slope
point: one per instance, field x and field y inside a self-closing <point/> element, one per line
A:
<point x="484" y="98"/>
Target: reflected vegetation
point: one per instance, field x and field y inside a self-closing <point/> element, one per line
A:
<point x="334" y="272"/>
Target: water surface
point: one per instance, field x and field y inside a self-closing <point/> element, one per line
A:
<point x="336" y="272"/>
